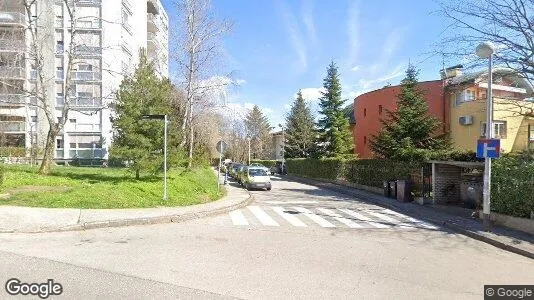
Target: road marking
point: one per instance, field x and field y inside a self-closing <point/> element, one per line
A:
<point x="382" y="216"/>
<point x="289" y="217"/>
<point x="238" y="218"/>
<point x="363" y="218"/>
<point x="413" y="220"/>
<point x="264" y="218"/>
<point x="322" y="222"/>
<point x="339" y="218"/>
<point x="290" y="202"/>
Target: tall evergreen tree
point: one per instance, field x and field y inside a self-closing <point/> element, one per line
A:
<point x="258" y="128"/>
<point x="300" y="133"/>
<point x="408" y="131"/>
<point x="334" y="135"/>
<point x="136" y="140"/>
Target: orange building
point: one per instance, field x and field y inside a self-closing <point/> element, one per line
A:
<point x="370" y="107"/>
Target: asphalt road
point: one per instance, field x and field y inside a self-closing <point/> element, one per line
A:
<point x="294" y="242"/>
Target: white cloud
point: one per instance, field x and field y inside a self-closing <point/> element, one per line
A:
<point x="311" y="94"/>
<point x="240" y="81"/>
<point x="353" y="31"/>
<point x="307" y="20"/>
<point x="355" y="68"/>
<point x="287" y="107"/>
<point x="368" y="83"/>
<point x="248" y="105"/>
<point x="295" y="36"/>
<point x="267" y="111"/>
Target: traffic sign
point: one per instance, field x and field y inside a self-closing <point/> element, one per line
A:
<point x="488" y="148"/>
<point x="222" y="146"/>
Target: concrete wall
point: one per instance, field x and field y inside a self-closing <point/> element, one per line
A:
<point x="521" y="224"/>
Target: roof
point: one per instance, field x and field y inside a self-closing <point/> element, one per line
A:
<point x="478" y="76"/>
<point x="463" y="164"/>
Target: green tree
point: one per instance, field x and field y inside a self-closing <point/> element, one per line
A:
<point x="409" y="132"/>
<point x="137" y="141"/>
<point x="334" y="135"/>
<point x="300" y="133"/>
<point x="258" y="128"/>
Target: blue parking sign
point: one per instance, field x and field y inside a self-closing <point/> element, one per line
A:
<point x="488" y="148"/>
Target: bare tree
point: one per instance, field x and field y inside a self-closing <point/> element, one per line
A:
<point x="198" y="48"/>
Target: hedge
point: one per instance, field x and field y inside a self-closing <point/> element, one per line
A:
<point x="512" y="186"/>
<point x="12" y="152"/>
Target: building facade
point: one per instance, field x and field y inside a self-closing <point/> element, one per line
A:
<point x="458" y="101"/>
<point x="371" y="107"/>
<point x="107" y="41"/>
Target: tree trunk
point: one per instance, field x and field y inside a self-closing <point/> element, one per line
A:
<point x="48" y="156"/>
<point x="191" y="137"/>
<point x="137" y="174"/>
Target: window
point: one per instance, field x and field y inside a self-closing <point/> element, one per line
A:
<point x="469" y="95"/>
<point x="531" y="133"/>
<point x="499" y="129"/>
<point x="59" y="119"/>
<point x="365" y="112"/>
<point x="72" y="120"/>
<point x="380" y="109"/>
<point x="34" y="119"/>
<point x="60" y="143"/>
<point x="85" y="67"/>
<point x="365" y="140"/>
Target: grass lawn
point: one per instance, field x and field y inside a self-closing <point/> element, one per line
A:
<point x="78" y="187"/>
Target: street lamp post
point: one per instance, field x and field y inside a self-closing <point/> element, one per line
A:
<point x="248" y="139"/>
<point x="486" y="50"/>
<point x="165" y="120"/>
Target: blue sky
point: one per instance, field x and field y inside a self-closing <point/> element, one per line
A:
<point x="277" y="47"/>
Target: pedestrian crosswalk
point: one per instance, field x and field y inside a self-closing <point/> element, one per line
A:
<point x="298" y="216"/>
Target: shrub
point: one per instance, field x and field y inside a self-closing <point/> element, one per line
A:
<point x="326" y="168"/>
<point x="12" y="152"/>
<point x="2" y="170"/>
<point x="512" y="188"/>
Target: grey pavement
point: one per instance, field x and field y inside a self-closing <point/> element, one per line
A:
<point x="213" y="257"/>
<point x="504" y="238"/>
<point x="31" y="219"/>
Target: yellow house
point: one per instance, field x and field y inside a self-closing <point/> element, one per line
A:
<point x="513" y="109"/>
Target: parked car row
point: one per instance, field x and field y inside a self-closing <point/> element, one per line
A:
<point x="255" y="176"/>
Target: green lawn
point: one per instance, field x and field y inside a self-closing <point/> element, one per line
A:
<point x="78" y="187"/>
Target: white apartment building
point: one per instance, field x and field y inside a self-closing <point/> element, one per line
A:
<point x="109" y="34"/>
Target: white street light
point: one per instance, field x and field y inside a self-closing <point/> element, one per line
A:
<point x="486" y="50"/>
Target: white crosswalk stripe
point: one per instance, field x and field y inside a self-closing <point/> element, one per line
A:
<point x="297" y="216"/>
<point x="289" y="217"/>
<point x="322" y="222"/>
<point x="363" y="218"/>
<point x="264" y="218"/>
<point x="339" y="218"/>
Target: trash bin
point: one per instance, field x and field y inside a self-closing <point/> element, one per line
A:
<point x="393" y="188"/>
<point x="404" y="191"/>
<point x="387" y="190"/>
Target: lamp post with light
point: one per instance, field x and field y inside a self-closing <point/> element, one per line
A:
<point x="486" y="50"/>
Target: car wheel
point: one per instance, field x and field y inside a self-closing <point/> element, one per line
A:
<point x="269" y="188"/>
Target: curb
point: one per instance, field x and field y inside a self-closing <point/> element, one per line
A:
<point x="140" y="221"/>
<point x="446" y="224"/>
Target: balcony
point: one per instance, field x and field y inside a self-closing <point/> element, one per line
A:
<point x="87" y="153"/>
<point x="88" y="24"/>
<point x="15" y="46"/>
<point x="12" y="100"/>
<point x="60" y="74"/>
<point x="59" y="23"/>
<point x="152" y="40"/>
<point x="83" y="50"/>
<point x="10" y="126"/>
<point x="84" y="102"/>
<point x="152" y="23"/>
<point x="79" y="127"/>
<point x="60" y="48"/>
<point x="12" y="18"/>
<point x="152" y="7"/>
<point x="87" y="2"/>
<point x="12" y="73"/>
<point x="86" y="76"/>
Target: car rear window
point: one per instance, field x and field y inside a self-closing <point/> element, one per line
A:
<point x="257" y="172"/>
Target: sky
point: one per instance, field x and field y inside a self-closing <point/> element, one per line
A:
<point x="277" y="47"/>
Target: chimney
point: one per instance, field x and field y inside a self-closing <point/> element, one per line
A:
<point x="451" y="72"/>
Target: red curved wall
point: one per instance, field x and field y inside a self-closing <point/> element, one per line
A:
<point x="367" y="106"/>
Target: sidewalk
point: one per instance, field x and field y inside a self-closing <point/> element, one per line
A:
<point x="507" y="239"/>
<point x="30" y="219"/>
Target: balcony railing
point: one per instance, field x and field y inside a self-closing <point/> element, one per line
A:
<point x="59" y="23"/>
<point x="86" y="153"/>
<point x="86" y="75"/>
<point x="88" y="23"/>
<point x="60" y="49"/>
<point x="12" y="99"/>
<point x="12" y="72"/>
<point x="79" y="127"/>
<point x="9" y="45"/>
<point x="152" y="22"/>
<point x="12" y="18"/>
<point x="87" y="2"/>
<point x="12" y="126"/>
<point x="88" y="50"/>
<point x="81" y="102"/>
<point x="60" y="74"/>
